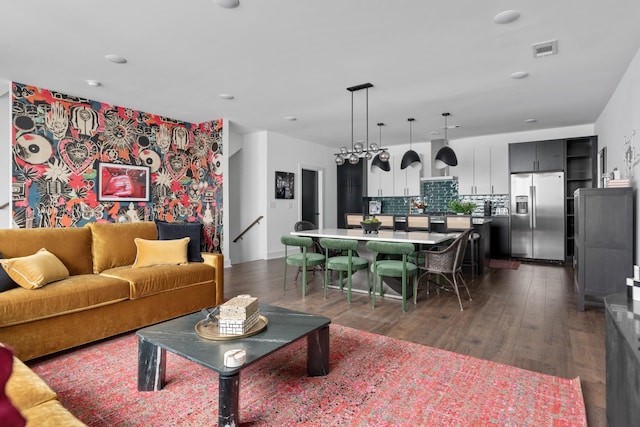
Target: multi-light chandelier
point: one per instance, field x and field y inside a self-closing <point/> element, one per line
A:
<point x="358" y="149"/>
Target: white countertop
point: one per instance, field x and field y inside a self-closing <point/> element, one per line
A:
<point x="421" y="237"/>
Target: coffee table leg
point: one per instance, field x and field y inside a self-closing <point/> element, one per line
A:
<point x="318" y="352"/>
<point x="152" y="364"/>
<point x="228" y="406"/>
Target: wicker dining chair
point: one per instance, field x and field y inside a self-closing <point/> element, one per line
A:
<point x="446" y="263"/>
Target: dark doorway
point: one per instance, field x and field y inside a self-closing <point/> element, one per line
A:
<point x="310" y="205"/>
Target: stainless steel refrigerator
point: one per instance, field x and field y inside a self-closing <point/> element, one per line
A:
<point x="537" y="216"/>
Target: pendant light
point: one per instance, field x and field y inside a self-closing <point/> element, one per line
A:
<point x="445" y="156"/>
<point x="381" y="160"/>
<point x="410" y="158"/>
<point x="359" y="150"/>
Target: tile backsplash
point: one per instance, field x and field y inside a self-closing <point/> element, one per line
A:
<point x="436" y="194"/>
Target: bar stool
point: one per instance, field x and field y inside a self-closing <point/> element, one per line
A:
<point x="453" y="223"/>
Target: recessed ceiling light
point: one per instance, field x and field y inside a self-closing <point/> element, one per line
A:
<point x="291" y="118"/>
<point x="226" y="96"/>
<point x="519" y="75"/>
<point x="506" y="17"/>
<point x="227" y="4"/>
<point x="434" y="132"/>
<point x="116" y="59"/>
<point x="530" y="120"/>
<point x="93" y="83"/>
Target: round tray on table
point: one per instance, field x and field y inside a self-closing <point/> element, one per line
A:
<point x="209" y="330"/>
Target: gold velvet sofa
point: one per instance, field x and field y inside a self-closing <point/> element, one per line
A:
<point x="35" y="400"/>
<point x="103" y="295"/>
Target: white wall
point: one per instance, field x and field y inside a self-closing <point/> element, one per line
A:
<point x="5" y="153"/>
<point x="619" y="118"/>
<point x="251" y="183"/>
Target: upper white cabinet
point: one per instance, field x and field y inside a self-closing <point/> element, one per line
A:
<point x="397" y="182"/>
<point x="406" y="182"/>
<point x="380" y="183"/>
<point x="482" y="169"/>
<point x="500" y="169"/>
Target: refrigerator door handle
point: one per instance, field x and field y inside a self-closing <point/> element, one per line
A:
<point x="534" y="208"/>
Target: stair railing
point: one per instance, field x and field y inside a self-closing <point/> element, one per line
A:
<point x="256" y="221"/>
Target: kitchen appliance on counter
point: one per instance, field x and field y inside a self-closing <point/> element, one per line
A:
<point x="375" y="207"/>
<point x="537" y="216"/>
<point x="502" y="211"/>
<point x="487" y="207"/>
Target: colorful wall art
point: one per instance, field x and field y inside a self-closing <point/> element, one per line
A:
<point x="169" y="170"/>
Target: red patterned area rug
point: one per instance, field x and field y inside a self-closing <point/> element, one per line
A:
<point x="504" y="263"/>
<point x="374" y="381"/>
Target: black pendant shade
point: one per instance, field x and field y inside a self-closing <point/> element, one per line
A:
<point x="446" y="157"/>
<point x="409" y="158"/>
<point x="384" y="165"/>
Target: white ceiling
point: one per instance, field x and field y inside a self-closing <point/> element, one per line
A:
<point x="296" y="58"/>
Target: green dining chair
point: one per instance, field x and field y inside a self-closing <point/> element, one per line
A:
<point x="302" y="259"/>
<point x="349" y="262"/>
<point x="391" y="267"/>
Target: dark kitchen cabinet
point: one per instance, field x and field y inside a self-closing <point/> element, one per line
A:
<point x="536" y="156"/>
<point x="351" y="190"/>
<point x="500" y="240"/>
<point x="603" y="234"/>
<point x="580" y="172"/>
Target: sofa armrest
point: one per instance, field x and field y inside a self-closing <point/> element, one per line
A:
<point x="216" y="261"/>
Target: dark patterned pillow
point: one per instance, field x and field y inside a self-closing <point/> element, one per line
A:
<point x="178" y="230"/>
<point x="5" y="281"/>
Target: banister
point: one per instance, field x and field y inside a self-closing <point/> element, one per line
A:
<point x="257" y="220"/>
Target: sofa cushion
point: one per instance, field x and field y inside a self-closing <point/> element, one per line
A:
<point x="26" y="389"/>
<point x="113" y="244"/>
<point x="6" y="282"/>
<point x="19" y="242"/>
<point x="75" y="293"/>
<point x="51" y="414"/>
<point x="9" y="414"/>
<point x="35" y="271"/>
<point x="162" y="278"/>
<point x="160" y="252"/>
<point x="178" y="230"/>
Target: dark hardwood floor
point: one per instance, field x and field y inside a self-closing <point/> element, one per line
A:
<point x="526" y="318"/>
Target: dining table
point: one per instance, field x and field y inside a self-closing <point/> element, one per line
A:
<point x="416" y="237"/>
<point x="421" y="239"/>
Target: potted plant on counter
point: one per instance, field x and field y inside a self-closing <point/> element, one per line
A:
<point x="462" y="208"/>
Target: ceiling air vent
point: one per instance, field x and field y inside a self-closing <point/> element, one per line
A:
<point x="545" y="48"/>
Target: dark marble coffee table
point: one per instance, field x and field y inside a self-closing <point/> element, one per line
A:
<point x="179" y="336"/>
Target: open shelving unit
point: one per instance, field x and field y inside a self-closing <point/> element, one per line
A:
<point x="580" y="172"/>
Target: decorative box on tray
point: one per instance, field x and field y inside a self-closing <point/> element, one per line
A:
<point x="238" y="315"/>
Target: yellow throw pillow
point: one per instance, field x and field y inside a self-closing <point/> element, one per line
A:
<point x="161" y="252"/>
<point x="35" y="271"/>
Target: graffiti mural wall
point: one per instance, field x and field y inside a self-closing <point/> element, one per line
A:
<point x="152" y="167"/>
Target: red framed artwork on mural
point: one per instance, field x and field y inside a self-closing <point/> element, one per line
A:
<point x="123" y="183"/>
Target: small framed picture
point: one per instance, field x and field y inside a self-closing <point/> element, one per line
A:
<point x="284" y="185"/>
<point x="123" y="183"/>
